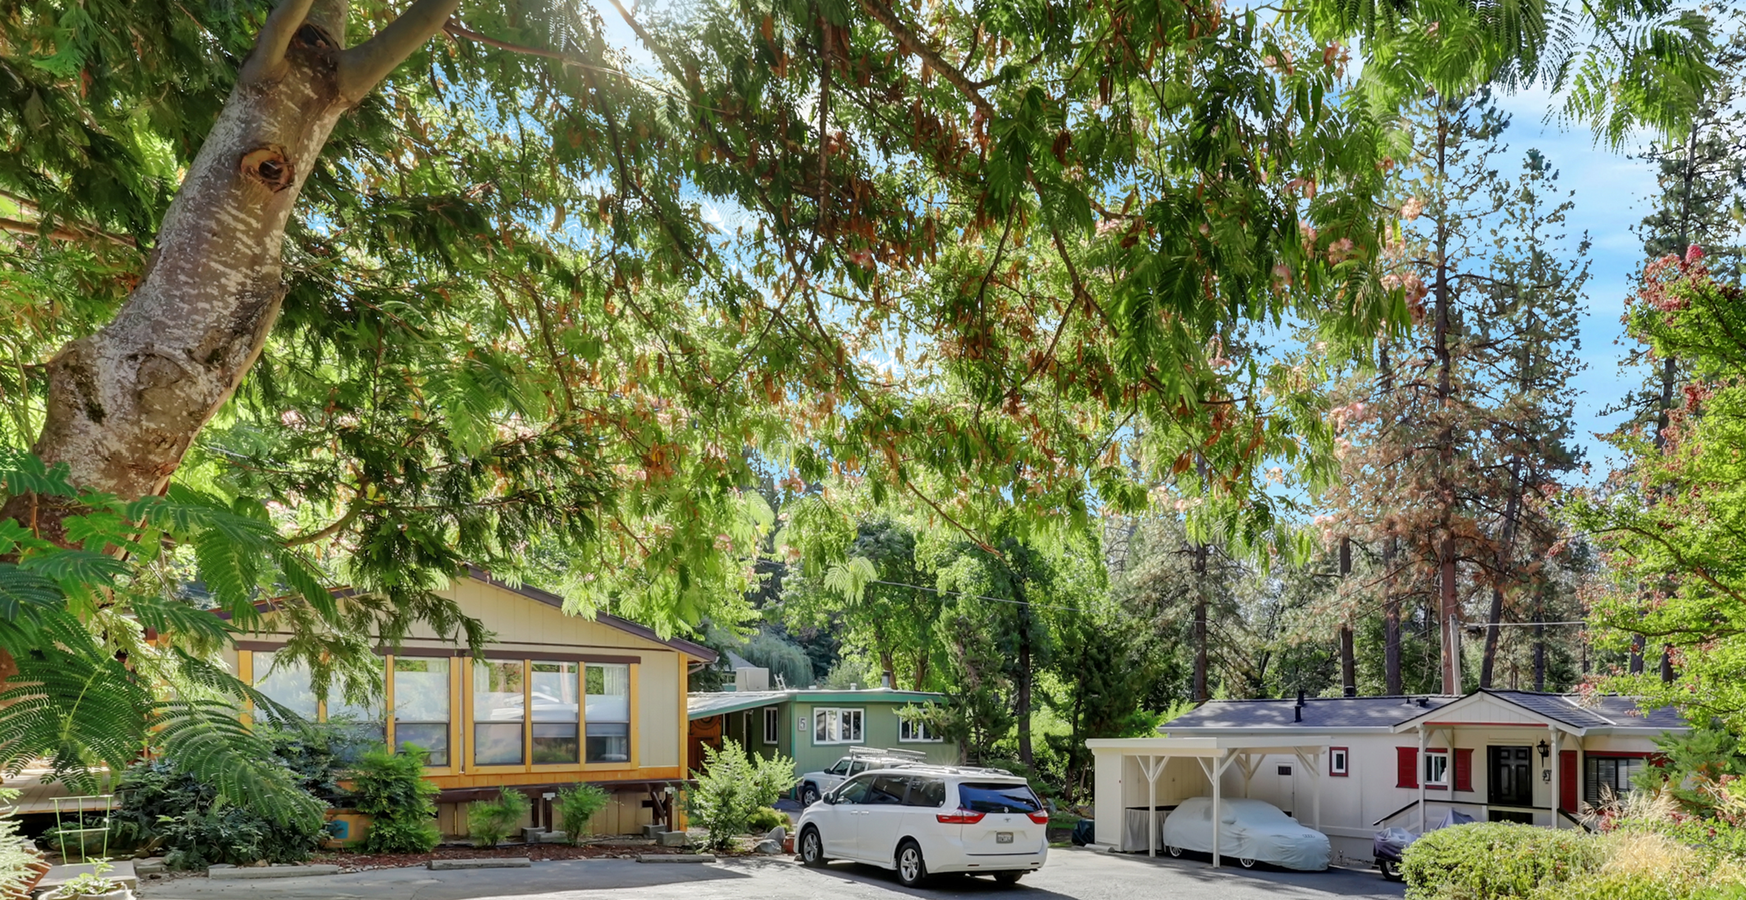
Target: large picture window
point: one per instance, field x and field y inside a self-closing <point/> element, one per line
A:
<point x="836" y="726"/>
<point x="421" y="706"/>
<point x="286" y="682"/>
<point x="608" y="713"/>
<point x="499" y="709"/>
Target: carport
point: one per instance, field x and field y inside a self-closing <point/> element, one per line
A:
<point x="1214" y="757"/>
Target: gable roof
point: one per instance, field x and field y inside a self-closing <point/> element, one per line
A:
<point x="1575" y="712"/>
<point x="703" y="704"/>
<point x="690" y="648"/>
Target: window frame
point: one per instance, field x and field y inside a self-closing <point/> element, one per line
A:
<point x="527" y="659"/>
<point x="772" y="725"/>
<point x="247" y="654"/>
<point x="1591" y="760"/>
<point x="1344" y="768"/>
<point x="1448" y="770"/>
<point x="905" y="723"/>
<point x="859" y="716"/>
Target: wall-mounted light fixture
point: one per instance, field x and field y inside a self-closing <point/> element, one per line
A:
<point x="1544" y="748"/>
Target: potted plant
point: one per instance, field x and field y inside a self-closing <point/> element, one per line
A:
<point x="92" y="886"/>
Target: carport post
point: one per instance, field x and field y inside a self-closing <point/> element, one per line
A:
<point x="1152" y="806"/>
<point x="1218" y="770"/>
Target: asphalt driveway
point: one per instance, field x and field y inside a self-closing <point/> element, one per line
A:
<point x="1070" y="874"/>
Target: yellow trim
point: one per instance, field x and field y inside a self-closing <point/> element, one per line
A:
<point x="245" y="672"/>
<point x="635" y="757"/>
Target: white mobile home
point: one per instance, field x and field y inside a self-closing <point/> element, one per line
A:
<point x="1350" y="766"/>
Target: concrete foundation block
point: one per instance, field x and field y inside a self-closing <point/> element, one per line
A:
<point x="672" y="838"/>
<point x="508" y="862"/>
<point x="256" y="873"/>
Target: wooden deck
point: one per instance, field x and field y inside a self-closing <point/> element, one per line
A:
<point x="37" y="795"/>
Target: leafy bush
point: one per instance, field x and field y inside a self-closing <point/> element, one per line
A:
<point x="765" y="818"/>
<point x="165" y="805"/>
<point x="1488" y="860"/>
<point x="575" y="805"/>
<point x="390" y="788"/>
<point x="731" y="789"/>
<point x="490" y="821"/>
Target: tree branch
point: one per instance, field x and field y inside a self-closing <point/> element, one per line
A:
<point x="64" y="233"/>
<point x="912" y="42"/>
<point x="363" y="66"/>
<point x="268" y="57"/>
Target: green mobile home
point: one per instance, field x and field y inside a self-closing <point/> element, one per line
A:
<point x="815" y="727"/>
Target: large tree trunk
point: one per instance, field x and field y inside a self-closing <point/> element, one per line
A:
<point x="125" y="403"/>
<point x="1198" y="564"/>
<point x="1448" y="608"/>
<point x="1505" y="549"/>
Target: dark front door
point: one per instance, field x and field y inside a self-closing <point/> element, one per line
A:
<point x="1512" y="776"/>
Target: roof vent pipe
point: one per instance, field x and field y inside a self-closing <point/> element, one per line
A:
<point x="1297" y="711"/>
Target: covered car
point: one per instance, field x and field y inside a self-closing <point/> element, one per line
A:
<point x="1251" y="830"/>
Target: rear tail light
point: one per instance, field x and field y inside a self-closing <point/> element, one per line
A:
<point x="960" y="817"/>
<point x="1041" y="817"/>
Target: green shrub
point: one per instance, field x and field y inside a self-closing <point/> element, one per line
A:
<point x="490" y="821"/>
<point x="163" y="807"/>
<point x="391" y="789"/>
<point x="575" y="805"/>
<point x="765" y="818"/>
<point x="732" y="787"/>
<point x="1489" y="860"/>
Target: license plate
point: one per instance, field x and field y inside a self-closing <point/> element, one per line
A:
<point x="1003" y="837"/>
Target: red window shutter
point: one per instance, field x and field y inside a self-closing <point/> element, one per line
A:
<point x="1406" y="767"/>
<point x="1567" y="780"/>
<point x="1463" y="769"/>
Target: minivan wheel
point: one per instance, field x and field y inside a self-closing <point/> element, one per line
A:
<point x="811" y="848"/>
<point x="1010" y="876"/>
<point x="912" y="870"/>
<point x="808" y="795"/>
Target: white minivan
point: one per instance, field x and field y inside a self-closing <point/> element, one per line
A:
<point x="921" y="820"/>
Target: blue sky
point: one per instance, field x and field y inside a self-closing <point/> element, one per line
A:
<point x="1612" y="191"/>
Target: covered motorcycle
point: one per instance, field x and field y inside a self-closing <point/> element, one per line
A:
<point x="1389" y="844"/>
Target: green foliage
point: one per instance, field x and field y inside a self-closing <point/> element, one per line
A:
<point x="168" y="804"/>
<point x="731" y="789"/>
<point x="1669" y="525"/>
<point x="391" y="789"/>
<point x="577" y="804"/>
<point x="1495" y="860"/>
<point x="490" y="821"/>
<point x="16" y="855"/>
<point x="765" y="818"/>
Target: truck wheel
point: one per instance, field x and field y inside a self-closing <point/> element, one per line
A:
<point x="808" y="794"/>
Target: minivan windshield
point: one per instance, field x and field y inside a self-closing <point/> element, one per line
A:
<point x="985" y="797"/>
